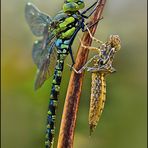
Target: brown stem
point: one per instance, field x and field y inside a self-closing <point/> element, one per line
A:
<point x="68" y="123"/>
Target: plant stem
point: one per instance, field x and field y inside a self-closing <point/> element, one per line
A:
<point x="68" y="123"/>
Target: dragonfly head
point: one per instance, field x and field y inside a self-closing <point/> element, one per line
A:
<point x="115" y="42"/>
<point x="73" y="5"/>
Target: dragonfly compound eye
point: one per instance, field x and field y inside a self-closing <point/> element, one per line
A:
<point x="81" y="4"/>
<point x="73" y="5"/>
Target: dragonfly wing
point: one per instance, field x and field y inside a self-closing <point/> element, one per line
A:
<point x="45" y="61"/>
<point x="40" y="50"/>
<point x="38" y="53"/>
<point x="38" y="21"/>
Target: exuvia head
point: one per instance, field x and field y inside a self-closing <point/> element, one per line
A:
<point x="73" y="5"/>
<point x="115" y="42"/>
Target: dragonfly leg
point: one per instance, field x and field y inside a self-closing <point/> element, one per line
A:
<point x="78" y="71"/>
<point x="71" y="41"/>
<point x="82" y="43"/>
<point x="85" y="66"/>
<point x="89" y="8"/>
<point x="73" y="68"/>
<point x="90" y="47"/>
<point x="70" y="44"/>
<point x="87" y="16"/>
<point x="93" y="38"/>
<point x="89" y="26"/>
<point x="71" y="54"/>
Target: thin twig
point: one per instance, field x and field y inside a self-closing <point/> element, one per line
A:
<point x="68" y="123"/>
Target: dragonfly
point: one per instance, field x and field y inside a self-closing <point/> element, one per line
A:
<point x="102" y="66"/>
<point x="56" y="35"/>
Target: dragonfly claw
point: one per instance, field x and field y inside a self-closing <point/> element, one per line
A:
<point x="71" y="66"/>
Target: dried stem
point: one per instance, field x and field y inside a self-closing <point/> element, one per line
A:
<point x="68" y="123"/>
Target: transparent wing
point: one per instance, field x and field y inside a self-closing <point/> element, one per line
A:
<point x="38" y="54"/>
<point x="45" y="61"/>
<point x="40" y="50"/>
<point x="38" y="21"/>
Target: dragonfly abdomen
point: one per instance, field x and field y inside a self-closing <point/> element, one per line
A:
<point x="98" y="96"/>
<point x="62" y="50"/>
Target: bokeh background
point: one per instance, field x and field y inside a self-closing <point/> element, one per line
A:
<point x="123" y="122"/>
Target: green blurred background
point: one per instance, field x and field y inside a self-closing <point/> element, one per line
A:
<point x="123" y="123"/>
